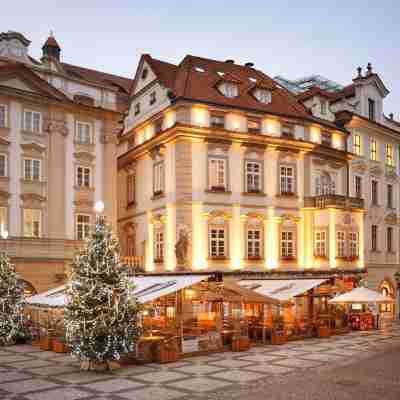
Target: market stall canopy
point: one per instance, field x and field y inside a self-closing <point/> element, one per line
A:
<point x="147" y="288"/>
<point x="282" y="290"/>
<point x="361" y="295"/>
<point x="247" y="295"/>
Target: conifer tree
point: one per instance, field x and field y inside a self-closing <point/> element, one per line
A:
<point x="101" y="315"/>
<point x="11" y="303"/>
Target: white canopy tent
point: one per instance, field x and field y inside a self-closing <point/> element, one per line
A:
<point x="361" y="295"/>
<point x="147" y="288"/>
<point x="281" y="289"/>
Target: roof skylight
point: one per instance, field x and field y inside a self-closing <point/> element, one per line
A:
<point x="220" y="73"/>
<point x="199" y="69"/>
<point x="253" y="79"/>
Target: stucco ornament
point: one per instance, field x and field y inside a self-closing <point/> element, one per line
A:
<point x="182" y="247"/>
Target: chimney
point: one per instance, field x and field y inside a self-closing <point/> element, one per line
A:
<point x="249" y="65"/>
<point x="230" y="61"/>
<point x="51" y="48"/>
<point x="369" y="69"/>
<point x="359" y="72"/>
<point x="391" y="116"/>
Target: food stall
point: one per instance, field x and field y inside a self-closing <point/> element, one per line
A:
<point x="361" y="304"/>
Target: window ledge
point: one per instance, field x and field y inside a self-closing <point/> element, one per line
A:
<point x="218" y="258"/>
<point x="83" y="189"/>
<point x="291" y="259"/>
<point x="89" y="145"/>
<point x="24" y="132"/>
<point x="158" y="195"/>
<point x="158" y="261"/>
<point x="288" y="195"/>
<point x="32" y="182"/>
<point x="320" y="257"/>
<point x="218" y="191"/>
<point x="258" y="194"/>
<point x="254" y="259"/>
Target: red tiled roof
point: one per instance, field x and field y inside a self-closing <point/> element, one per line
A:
<point x="347" y="91"/>
<point x="314" y="91"/>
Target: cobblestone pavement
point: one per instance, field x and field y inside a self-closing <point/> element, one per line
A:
<point x="27" y="373"/>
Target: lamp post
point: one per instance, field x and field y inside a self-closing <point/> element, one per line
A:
<point x="99" y="209"/>
<point x="4" y="235"/>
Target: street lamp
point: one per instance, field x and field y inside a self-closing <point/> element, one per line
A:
<point x="99" y="207"/>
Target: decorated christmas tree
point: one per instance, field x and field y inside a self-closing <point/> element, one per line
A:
<point x="11" y="304"/>
<point x="101" y="316"/>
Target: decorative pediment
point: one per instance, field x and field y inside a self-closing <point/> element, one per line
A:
<point x="253" y="216"/>
<point x="390" y="173"/>
<point x="319" y="161"/>
<point x="55" y="126"/>
<point x="289" y="218"/>
<point x="218" y="216"/>
<point x="84" y="156"/>
<point x="130" y="228"/>
<point x="16" y="83"/>
<point x="35" y="147"/>
<point x="4" y="142"/>
<point x="157" y="151"/>
<point x="376" y="170"/>
<point x="110" y="138"/>
<point x="359" y="167"/>
<point x="391" y="219"/>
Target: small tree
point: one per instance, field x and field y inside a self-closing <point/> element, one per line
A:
<point x="11" y="304"/>
<point x="101" y="315"/>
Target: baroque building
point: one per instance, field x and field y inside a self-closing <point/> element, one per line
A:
<point x="221" y="168"/>
<point x="58" y="148"/>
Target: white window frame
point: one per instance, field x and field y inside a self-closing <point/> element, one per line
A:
<point x="253" y="178"/>
<point x="217" y="173"/>
<point x="31" y="231"/>
<point x="31" y="128"/>
<point x="5" y="174"/>
<point x="5" y="111"/>
<point x="158" y="177"/>
<point x="79" y="136"/>
<point x="287" y="244"/>
<point x="84" y="225"/>
<point x="159" y="245"/>
<point x="253" y="243"/>
<point x="354" y="245"/>
<point x="320" y="243"/>
<point x="31" y="175"/>
<point x="286" y="180"/>
<point x="81" y="181"/>
<point x="217" y="243"/>
<point x="263" y="96"/>
<point x="374" y="150"/>
<point x="229" y="89"/>
<point x="340" y="244"/>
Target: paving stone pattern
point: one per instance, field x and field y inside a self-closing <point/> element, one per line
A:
<point x="26" y="373"/>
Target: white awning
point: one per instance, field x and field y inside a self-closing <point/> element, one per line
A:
<point x="148" y="288"/>
<point x="361" y="295"/>
<point x="281" y="289"/>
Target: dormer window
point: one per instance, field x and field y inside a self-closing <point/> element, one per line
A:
<point x="263" y="96"/>
<point x="229" y="89"/>
<point x="137" y="108"/>
<point x="220" y="73"/>
<point x="145" y="72"/>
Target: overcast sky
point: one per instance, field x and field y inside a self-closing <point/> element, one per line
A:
<point x="287" y="37"/>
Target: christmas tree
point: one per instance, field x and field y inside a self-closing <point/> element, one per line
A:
<point x="101" y="315"/>
<point x="11" y="304"/>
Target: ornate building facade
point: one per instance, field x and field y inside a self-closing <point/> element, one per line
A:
<point x="223" y="169"/>
<point x="58" y="148"/>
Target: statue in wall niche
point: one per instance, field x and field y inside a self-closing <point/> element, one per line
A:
<point x="182" y="248"/>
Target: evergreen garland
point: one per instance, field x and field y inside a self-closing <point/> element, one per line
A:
<point x="12" y="302"/>
<point x="101" y="315"/>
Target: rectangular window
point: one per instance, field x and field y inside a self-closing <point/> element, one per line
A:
<point x="374" y="237"/>
<point x="82" y="226"/>
<point x="374" y="150"/>
<point x="3" y="116"/>
<point x="32" y="121"/>
<point x="130" y="188"/>
<point x="158" y="178"/>
<point x="158" y="245"/>
<point x="32" y="222"/>
<point x="158" y="125"/>
<point x="32" y="169"/>
<point x="137" y="108"/>
<point x="130" y="245"/>
<point x="353" y="244"/>
<point x="217" y="173"/>
<point x="389" y="155"/>
<point x="389" y="196"/>
<point x="357" y="145"/>
<point x="217" y="121"/>
<point x="254" y="243"/>
<point x="320" y="244"/>
<point x="389" y="239"/>
<point x="153" y="98"/>
<point x="374" y="192"/>
<point x="287" y="244"/>
<point x="323" y="105"/>
<point x="253" y="176"/>
<point x="3" y="218"/>
<point x="83" y="177"/>
<point x="340" y="244"/>
<point x="358" y="187"/>
<point x="3" y="165"/>
<point x="217" y="242"/>
<point x="371" y="109"/>
<point x="287" y="179"/>
<point x="288" y="131"/>
<point x="253" y="126"/>
<point x="83" y="133"/>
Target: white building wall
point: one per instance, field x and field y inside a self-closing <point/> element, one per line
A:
<point x="70" y="179"/>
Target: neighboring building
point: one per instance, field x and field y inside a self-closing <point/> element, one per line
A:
<point x="374" y="141"/>
<point x="58" y="142"/>
<point x="222" y="169"/>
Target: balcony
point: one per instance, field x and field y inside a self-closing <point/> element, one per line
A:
<point x="134" y="264"/>
<point x="334" y="201"/>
